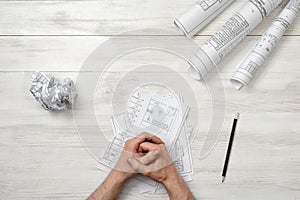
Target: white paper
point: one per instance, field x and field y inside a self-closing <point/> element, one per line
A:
<point x="265" y="45"/>
<point x="181" y="154"/>
<point x="231" y="33"/>
<point x="196" y="18"/>
<point x="156" y="114"/>
<point x="51" y="93"/>
<point x="172" y="129"/>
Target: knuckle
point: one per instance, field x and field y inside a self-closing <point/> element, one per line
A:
<point x="129" y="142"/>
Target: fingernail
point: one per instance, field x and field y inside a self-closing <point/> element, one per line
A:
<point x="130" y="160"/>
<point x="156" y="152"/>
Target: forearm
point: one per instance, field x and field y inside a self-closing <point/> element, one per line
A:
<point x="177" y="189"/>
<point x="110" y="188"/>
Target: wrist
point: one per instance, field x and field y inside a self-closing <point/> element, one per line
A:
<point x="171" y="175"/>
<point x="119" y="176"/>
<point x="170" y="179"/>
<point x="177" y="188"/>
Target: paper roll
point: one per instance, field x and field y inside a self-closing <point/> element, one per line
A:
<point x="231" y="34"/>
<point x="197" y="17"/>
<point x="265" y="45"/>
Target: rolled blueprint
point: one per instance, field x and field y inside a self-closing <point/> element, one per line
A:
<point x="265" y="45"/>
<point x="231" y="33"/>
<point x="196" y="18"/>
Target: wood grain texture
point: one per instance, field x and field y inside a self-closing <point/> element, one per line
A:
<point x="43" y="148"/>
<point x="41" y="154"/>
<point x="68" y="53"/>
<point x="106" y="17"/>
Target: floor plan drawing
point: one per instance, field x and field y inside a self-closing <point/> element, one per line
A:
<point x="155" y="112"/>
<point x="146" y="107"/>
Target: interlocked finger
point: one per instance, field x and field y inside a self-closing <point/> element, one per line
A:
<point x="149" y="157"/>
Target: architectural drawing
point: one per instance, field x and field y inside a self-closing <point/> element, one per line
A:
<point x="265" y="45"/>
<point x="194" y="19"/>
<point x="231" y="33"/>
<point x="144" y="109"/>
<point x="155" y="108"/>
<point x="157" y="114"/>
<point x="181" y="154"/>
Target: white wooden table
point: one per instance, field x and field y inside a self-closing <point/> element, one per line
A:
<point x="41" y="156"/>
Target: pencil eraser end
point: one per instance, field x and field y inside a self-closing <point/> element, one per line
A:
<point x="236" y="115"/>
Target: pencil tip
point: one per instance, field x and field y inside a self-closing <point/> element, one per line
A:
<point x="223" y="179"/>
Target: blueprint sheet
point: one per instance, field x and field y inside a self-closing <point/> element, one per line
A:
<point x="164" y="116"/>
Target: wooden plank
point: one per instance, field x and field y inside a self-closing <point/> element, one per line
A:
<point x="69" y="53"/>
<point x="107" y="17"/>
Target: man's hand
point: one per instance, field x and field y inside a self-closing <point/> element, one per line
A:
<point x="134" y="148"/>
<point x="113" y="184"/>
<point x="148" y="155"/>
<point x="158" y="165"/>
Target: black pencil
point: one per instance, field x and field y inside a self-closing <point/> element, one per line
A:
<point x="236" y="117"/>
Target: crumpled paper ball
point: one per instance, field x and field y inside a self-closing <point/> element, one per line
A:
<point x="51" y="93"/>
